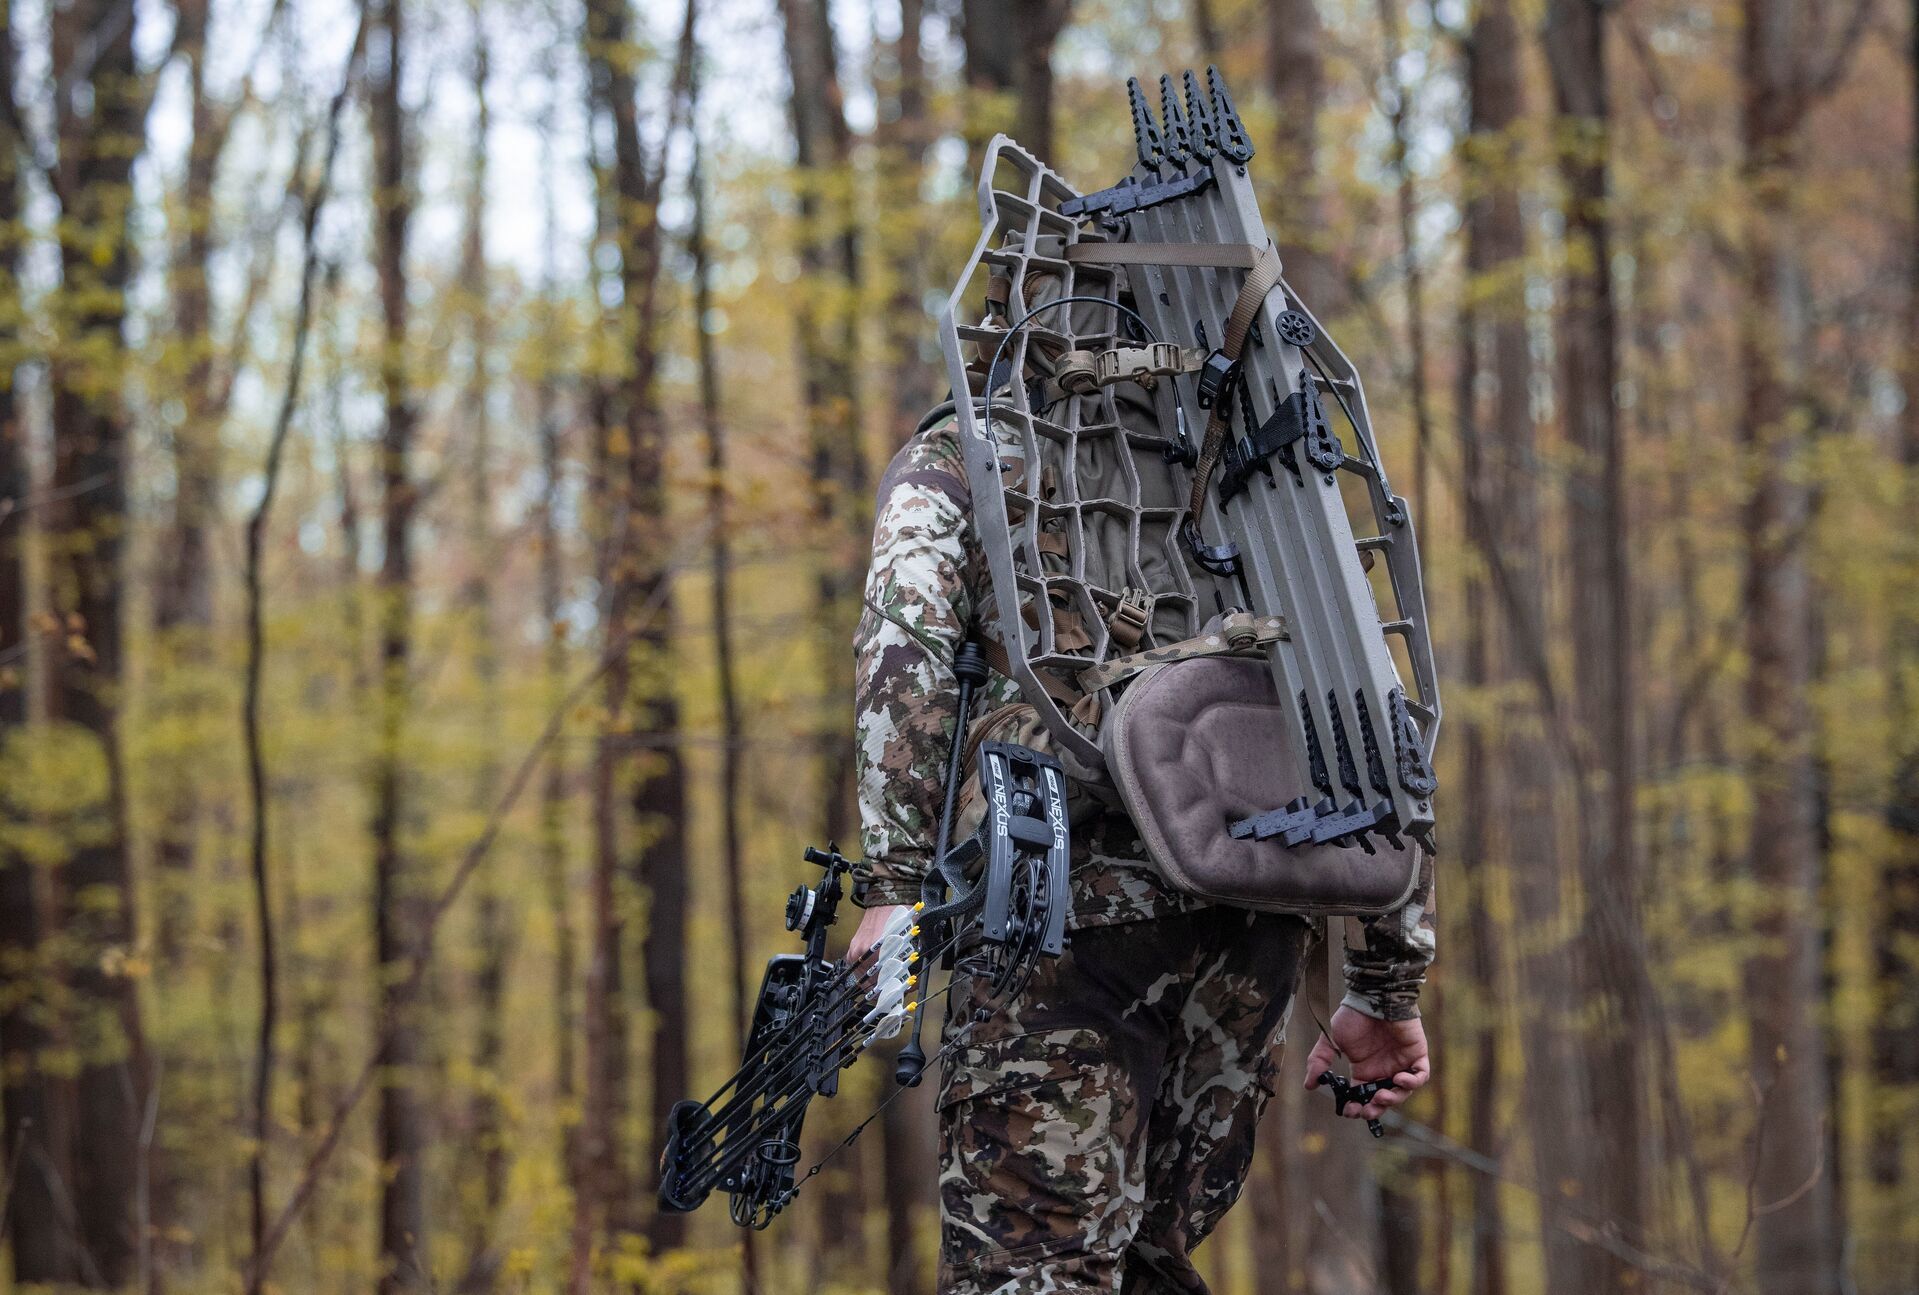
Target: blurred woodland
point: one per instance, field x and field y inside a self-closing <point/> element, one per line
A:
<point x="436" y="449"/>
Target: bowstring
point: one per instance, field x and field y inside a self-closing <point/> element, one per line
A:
<point x="878" y="1111"/>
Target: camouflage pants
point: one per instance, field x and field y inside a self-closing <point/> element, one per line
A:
<point x="1094" y="1130"/>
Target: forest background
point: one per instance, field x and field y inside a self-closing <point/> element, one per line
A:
<point x="436" y="448"/>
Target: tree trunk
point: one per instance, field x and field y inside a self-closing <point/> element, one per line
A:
<point x="1505" y="523"/>
<point x="732" y="729"/>
<point x="1206" y="31"/>
<point x="1492" y="352"/>
<point x="36" y="1161"/>
<point x="1795" y="1249"/>
<point x="553" y="774"/>
<point x="829" y="250"/>
<point x="100" y="133"/>
<point x="1596" y="529"/>
<point x="183" y="596"/>
<point x="1412" y="267"/>
<point x="1324" y="1175"/>
<point x="602" y="1178"/>
<point x="554" y="800"/>
<point x="1399" y="1200"/>
<point x="1009" y="71"/>
<point x="398" y="895"/>
<point x="1480" y="799"/>
<point x="829" y="358"/>
<point x="34" y="1150"/>
<point x="1298" y="212"/>
<point x="1896" y="1033"/>
<point x="1488" y="1255"/>
<point x="914" y="383"/>
<point x="636" y="606"/>
<point x="486" y="1114"/>
<point x="1330" y="1185"/>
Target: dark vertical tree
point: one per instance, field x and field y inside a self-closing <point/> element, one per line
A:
<point x="1296" y="79"/>
<point x="829" y="238"/>
<point x="1412" y="268"/>
<point x="1399" y="1205"/>
<point x="183" y="597"/>
<point x="905" y="1191"/>
<point x="1495" y="438"/>
<point x="642" y="713"/>
<point x="732" y="725"/>
<point x="600" y="1177"/>
<point x="1009" y="70"/>
<point x="1517" y="814"/>
<point x="553" y="662"/>
<point x="100" y="126"/>
<point x="398" y="892"/>
<point x="1896" y="1034"/>
<point x="829" y="358"/>
<point x="34" y="1152"/>
<point x="906" y="132"/>
<point x="1596" y="529"/>
<point x="1796" y="1248"/>
<point x="486" y="1116"/>
<point x="1206" y="31"/>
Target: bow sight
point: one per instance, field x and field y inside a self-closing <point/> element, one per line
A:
<point x="815" y="1015"/>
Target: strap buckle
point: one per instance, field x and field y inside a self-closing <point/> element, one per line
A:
<point x="1214" y="376"/>
<point x="1128" y="622"/>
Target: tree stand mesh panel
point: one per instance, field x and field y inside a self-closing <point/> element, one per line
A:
<point x="1279" y="539"/>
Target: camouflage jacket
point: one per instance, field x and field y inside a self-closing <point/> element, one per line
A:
<point x="926" y="591"/>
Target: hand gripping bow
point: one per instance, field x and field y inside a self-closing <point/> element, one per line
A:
<point x="815" y="1015"/>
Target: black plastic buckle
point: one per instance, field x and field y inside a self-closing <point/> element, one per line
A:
<point x="1214" y="377"/>
<point x="1215" y="559"/>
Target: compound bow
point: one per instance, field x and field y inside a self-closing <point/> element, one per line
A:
<point x="815" y="1015"/>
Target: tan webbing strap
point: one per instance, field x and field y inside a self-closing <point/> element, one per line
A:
<point x="1053" y="543"/>
<point x="1069" y="631"/>
<point x="999" y="291"/>
<point x="1217" y="256"/>
<point x="1056" y="688"/>
<point x="1265" y="275"/>
<point x="1239" y="633"/>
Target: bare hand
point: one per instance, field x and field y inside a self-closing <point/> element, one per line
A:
<point x="871" y="927"/>
<point x="1394" y="1050"/>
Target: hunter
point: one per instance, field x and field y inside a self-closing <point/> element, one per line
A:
<point x="1096" y="1127"/>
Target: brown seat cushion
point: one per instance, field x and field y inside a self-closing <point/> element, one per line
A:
<point x="1197" y="745"/>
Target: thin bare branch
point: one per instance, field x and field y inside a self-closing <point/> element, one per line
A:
<point x="314" y="201"/>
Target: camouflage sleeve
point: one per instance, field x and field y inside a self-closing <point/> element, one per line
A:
<point x="917" y="611"/>
<point x="1387" y="956"/>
